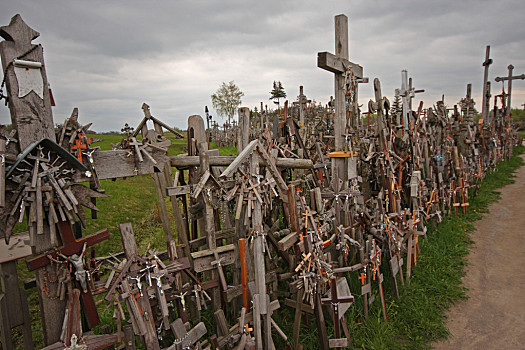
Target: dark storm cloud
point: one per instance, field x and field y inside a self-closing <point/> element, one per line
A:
<point x="108" y="57"/>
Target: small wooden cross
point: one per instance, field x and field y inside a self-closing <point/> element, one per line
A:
<point x="362" y="277"/>
<point x="335" y="302"/>
<point x="80" y="145"/>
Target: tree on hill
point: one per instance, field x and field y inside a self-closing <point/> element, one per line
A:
<point x="277" y="93"/>
<point x="226" y="100"/>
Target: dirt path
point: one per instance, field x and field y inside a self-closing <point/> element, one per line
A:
<point x="494" y="315"/>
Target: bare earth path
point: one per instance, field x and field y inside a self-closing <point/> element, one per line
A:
<point x="494" y="315"/>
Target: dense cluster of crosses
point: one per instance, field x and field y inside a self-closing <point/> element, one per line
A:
<point x="322" y="199"/>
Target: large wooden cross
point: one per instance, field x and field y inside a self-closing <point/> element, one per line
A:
<point x="339" y="65"/>
<point x="510" y="78"/>
<point x="486" y="85"/>
<point x="72" y="246"/>
<point x="32" y="118"/>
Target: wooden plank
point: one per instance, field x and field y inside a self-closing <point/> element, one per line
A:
<point x="118" y="163"/>
<point x="184" y="161"/>
<point x="288" y="241"/>
<point x="17" y="248"/>
<point x="243" y="132"/>
<point x="68" y="250"/>
<point x="239" y="160"/>
<point x="178" y="190"/>
<point x="2" y="172"/>
<point x="334" y="64"/>
<point x="203" y="259"/>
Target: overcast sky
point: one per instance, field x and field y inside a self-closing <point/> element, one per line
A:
<point x="108" y="57"/>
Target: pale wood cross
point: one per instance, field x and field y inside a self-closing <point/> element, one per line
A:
<point x="339" y="65"/>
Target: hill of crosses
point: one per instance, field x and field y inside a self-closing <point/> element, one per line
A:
<point x="321" y="209"/>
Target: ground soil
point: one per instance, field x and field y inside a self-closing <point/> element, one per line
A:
<point x="493" y="317"/>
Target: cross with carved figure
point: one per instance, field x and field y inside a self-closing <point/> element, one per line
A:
<point x="72" y="246"/>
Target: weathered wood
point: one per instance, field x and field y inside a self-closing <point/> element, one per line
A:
<point x="31" y="114"/>
<point x="239" y="160"/>
<point x="160" y="182"/>
<point x="2" y="171"/>
<point x="335" y="64"/>
<point x="129" y="338"/>
<point x="119" y="163"/>
<point x="17" y="248"/>
<point x="14" y="310"/>
<point x="243" y="136"/>
<point x="184" y="161"/>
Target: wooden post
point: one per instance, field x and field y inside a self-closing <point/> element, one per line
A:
<point x="486" y="85"/>
<point x="2" y="172"/>
<point x="14" y="310"/>
<point x="32" y="118"/>
<point x="243" y="136"/>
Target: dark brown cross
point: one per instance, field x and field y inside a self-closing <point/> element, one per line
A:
<point x="127" y="129"/>
<point x="334" y="301"/>
<point x="72" y="246"/>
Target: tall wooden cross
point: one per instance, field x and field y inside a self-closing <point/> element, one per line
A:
<point x="30" y="108"/>
<point x="407" y="93"/>
<point x="510" y="78"/>
<point x="486" y="85"/>
<point x="339" y="65"/>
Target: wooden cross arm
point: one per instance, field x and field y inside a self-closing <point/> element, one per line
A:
<point x="203" y="259"/>
<point x="92" y="342"/>
<point x="522" y="77"/>
<point x="334" y="64"/>
<point x="68" y="250"/>
<point x="184" y="161"/>
<point x="329" y="301"/>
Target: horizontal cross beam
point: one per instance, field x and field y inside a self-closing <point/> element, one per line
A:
<point x="339" y="65"/>
<point x="190" y="161"/>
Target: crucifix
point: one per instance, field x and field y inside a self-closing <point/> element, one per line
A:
<point x="335" y="301"/>
<point x="72" y="246"/>
<point x="340" y="65"/>
<point x="509" y="78"/>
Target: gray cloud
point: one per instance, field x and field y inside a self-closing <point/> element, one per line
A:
<point x="107" y="58"/>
